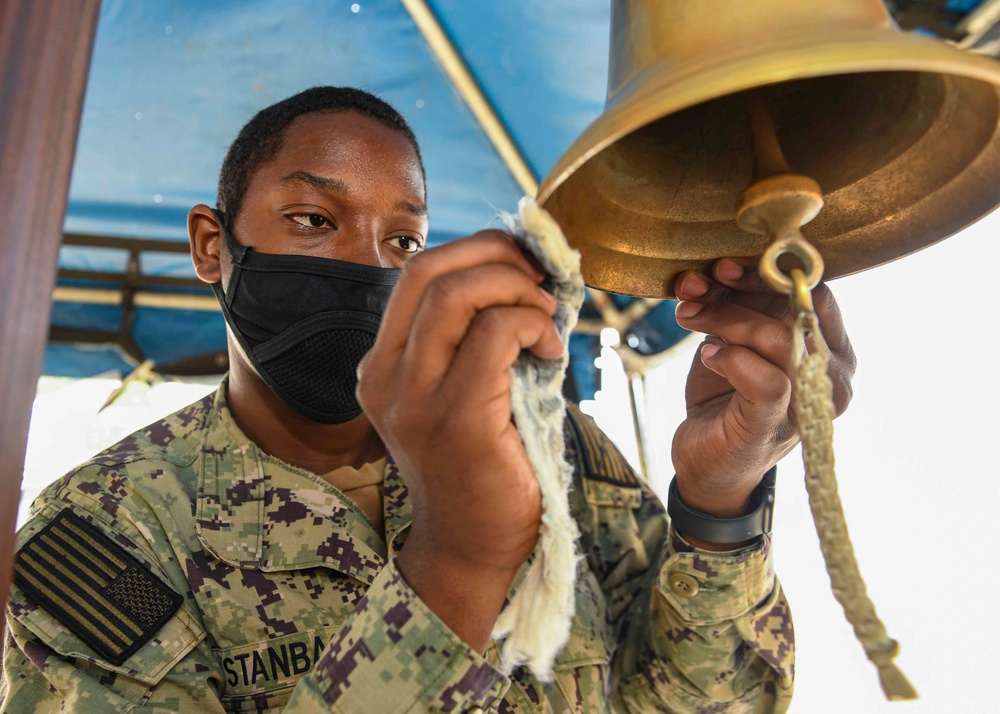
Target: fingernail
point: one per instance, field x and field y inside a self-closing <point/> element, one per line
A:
<point x="709" y="351"/>
<point x="687" y="310"/>
<point x="694" y="285"/>
<point x="729" y="270"/>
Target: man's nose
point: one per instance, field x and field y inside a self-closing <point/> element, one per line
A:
<point x="363" y="246"/>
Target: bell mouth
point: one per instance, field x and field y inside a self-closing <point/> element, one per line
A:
<point x="899" y="131"/>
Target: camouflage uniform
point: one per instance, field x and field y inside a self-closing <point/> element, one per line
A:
<point x="274" y="593"/>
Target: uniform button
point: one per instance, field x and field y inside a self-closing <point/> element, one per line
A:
<point x="477" y="710"/>
<point x="683" y="585"/>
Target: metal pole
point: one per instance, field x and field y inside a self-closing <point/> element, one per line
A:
<point x="637" y="394"/>
<point x="45" y="48"/>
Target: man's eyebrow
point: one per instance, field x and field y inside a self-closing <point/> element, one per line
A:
<point x="320" y="183"/>
<point x="414" y="209"/>
<point x="334" y="185"/>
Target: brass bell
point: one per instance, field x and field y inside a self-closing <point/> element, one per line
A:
<point x="900" y="131"/>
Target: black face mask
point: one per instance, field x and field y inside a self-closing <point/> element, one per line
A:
<point x="305" y="323"/>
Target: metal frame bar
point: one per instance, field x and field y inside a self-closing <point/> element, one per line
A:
<point x="144" y="280"/>
<point x="979" y="22"/>
<point x="113" y="296"/>
<point x="130" y="295"/>
<point x="132" y="281"/>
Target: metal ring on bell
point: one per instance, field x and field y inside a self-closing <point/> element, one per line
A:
<point x="804" y="251"/>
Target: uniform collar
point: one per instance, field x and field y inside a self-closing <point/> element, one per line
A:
<point x="256" y="512"/>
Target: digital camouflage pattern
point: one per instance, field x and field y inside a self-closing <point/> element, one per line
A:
<point x="292" y="602"/>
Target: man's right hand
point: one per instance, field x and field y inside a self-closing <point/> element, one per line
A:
<point x="436" y="387"/>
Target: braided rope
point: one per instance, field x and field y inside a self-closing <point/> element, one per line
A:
<point x="814" y="411"/>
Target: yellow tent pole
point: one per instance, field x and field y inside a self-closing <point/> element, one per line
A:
<point x="470" y="91"/>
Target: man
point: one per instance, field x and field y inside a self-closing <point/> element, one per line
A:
<point x="247" y="553"/>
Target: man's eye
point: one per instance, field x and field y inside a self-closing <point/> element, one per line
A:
<point x="407" y="244"/>
<point x="309" y="220"/>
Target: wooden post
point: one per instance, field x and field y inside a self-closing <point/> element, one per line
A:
<point x="45" y="48"/>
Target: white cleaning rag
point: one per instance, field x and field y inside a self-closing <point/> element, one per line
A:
<point x="536" y="622"/>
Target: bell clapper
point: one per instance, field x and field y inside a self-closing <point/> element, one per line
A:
<point x="778" y="204"/>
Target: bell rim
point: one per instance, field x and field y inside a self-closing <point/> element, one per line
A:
<point x="643" y="102"/>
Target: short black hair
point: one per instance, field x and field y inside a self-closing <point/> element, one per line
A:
<point x="261" y="138"/>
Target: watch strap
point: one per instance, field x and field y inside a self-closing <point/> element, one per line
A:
<point x="688" y="521"/>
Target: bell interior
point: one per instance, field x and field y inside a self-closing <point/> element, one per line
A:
<point x="883" y="147"/>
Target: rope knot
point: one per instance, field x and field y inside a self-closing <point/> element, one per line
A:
<point x="883" y="653"/>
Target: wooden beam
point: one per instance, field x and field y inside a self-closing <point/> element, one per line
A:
<point x="129" y="244"/>
<point x="45" y="48"/>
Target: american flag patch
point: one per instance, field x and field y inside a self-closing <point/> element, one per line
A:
<point x="602" y="461"/>
<point x="94" y="587"/>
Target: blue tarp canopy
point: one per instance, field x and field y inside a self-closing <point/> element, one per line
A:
<point x="172" y="81"/>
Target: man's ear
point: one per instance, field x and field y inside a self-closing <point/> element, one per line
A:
<point x="205" y="236"/>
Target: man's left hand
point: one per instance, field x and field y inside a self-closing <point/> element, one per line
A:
<point x="740" y="420"/>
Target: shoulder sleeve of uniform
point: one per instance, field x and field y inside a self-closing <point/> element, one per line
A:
<point x="622" y="524"/>
<point x="600" y="459"/>
<point x="88" y="587"/>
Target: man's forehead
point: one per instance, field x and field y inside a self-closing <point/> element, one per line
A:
<point x="334" y="134"/>
<point x="343" y="153"/>
<point x="324" y="147"/>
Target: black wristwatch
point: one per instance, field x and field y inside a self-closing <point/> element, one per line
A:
<point x="702" y="526"/>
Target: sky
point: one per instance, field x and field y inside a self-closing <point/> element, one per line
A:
<point x="916" y="463"/>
